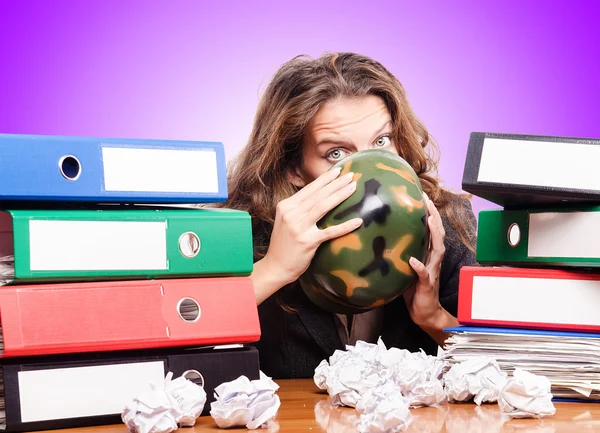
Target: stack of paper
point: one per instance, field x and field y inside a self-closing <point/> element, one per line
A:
<point x="571" y="361"/>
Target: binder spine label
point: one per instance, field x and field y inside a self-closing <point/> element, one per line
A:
<point x="539" y="163"/>
<point x="56" y="245"/>
<point x="160" y="170"/>
<point x="62" y="393"/>
<point x="536" y="300"/>
<point x="564" y="234"/>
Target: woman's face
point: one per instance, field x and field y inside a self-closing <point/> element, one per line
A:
<point x="340" y="128"/>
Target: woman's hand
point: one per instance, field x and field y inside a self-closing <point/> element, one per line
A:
<point x="296" y="237"/>
<point x="422" y="299"/>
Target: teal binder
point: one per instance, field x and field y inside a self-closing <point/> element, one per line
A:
<point x="567" y="237"/>
<point x="55" y="245"/>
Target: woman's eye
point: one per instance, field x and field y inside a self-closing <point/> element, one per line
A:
<point x="335" y="154"/>
<point x="383" y="141"/>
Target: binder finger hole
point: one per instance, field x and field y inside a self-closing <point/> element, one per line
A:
<point x="194" y="376"/>
<point x="69" y="167"/>
<point x="189" y="244"/>
<point x="189" y="310"/>
<point x="514" y="235"/>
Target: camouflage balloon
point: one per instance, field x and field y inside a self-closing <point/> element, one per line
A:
<point x="369" y="267"/>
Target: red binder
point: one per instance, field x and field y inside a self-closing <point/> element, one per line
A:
<point x="123" y="315"/>
<point x="536" y="298"/>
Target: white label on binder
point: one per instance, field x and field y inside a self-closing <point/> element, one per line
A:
<point x="540" y="163"/>
<point x="160" y="170"/>
<point x="536" y="300"/>
<point x="564" y="234"/>
<point x="97" y="245"/>
<point x="60" y="393"/>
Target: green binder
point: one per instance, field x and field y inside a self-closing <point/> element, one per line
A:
<point x="548" y="237"/>
<point x="80" y="245"/>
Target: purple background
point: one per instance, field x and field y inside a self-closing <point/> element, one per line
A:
<point x="194" y="69"/>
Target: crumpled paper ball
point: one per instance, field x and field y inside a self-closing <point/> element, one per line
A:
<point x="418" y="376"/>
<point x="367" y="369"/>
<point x="350" y="374"/>
<point x="480" y="379"/>
<point x="190" y="399"/>
<point x="383" y="410"/>
<point x="321" y="373"/>
<point x="526" y="395"/>
<point x="242" y="402"/>
<point x="164" y="406"/>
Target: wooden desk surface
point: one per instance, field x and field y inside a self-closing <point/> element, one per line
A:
<point x="304" y="408"/>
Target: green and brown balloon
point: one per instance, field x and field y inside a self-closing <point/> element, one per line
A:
<point x="369" y="267"/>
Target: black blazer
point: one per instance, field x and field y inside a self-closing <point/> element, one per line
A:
<point x="292" y="344"/>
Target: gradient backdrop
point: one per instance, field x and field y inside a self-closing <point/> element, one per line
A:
<point x="195" y="69"/>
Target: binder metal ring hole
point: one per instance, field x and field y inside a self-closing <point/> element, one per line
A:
<point x="194" y="376"/>
<point x="189" y="244"/>
<point x="70" y="167"/>
<point x="514" y="235"/>
<point x="189" y="310"/>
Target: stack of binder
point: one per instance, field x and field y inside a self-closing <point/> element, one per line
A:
<point x="107" y="283"/>
<point x="534" y="301"/>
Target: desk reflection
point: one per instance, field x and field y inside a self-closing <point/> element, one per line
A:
<point x="463" y="418"/>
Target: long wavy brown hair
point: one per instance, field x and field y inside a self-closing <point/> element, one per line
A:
<point x="258" y="177"/>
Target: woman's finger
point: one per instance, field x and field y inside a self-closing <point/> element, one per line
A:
<point x="310" y="189"/>
<point x="420" y="269"/>
<point x="436" y="228"/>
<point x="436" y="216"/>
<point x="325" y="204"/>
<point x="338" y="230"/>
<point x="339" y="187"/>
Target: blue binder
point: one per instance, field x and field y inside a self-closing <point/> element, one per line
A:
<point x="515" y="331"/>
<point x="110" y="170"/>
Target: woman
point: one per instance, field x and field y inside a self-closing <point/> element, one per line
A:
<point x="313" y="114"/>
